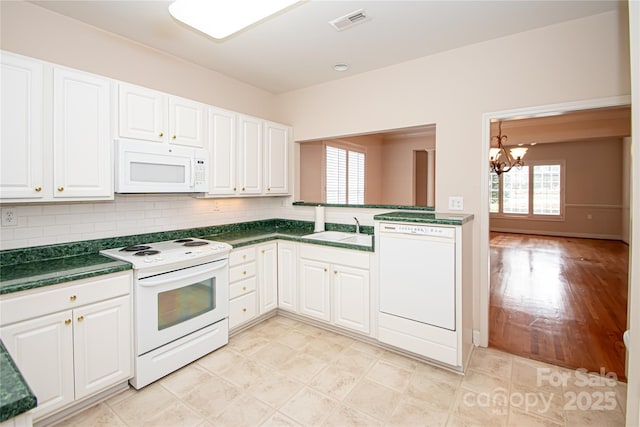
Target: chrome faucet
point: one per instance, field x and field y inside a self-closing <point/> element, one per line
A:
<point x="357" y="225"/>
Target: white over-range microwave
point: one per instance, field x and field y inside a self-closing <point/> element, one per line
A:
<point x="151" y="167"/>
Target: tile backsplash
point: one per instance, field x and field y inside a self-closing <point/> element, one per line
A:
<point x="45" y="224"/>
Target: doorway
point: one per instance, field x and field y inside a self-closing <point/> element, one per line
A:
<point x="484" y="295"/>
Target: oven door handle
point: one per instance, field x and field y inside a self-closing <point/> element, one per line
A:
<point x="204" y="271"/>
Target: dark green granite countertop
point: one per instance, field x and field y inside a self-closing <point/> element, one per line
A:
<point x="259" y="235"/>
<point x="29" y="268"/>
<point x="425" y="217"/>
<point x="15" y="396"/>
<point x="334" y="205"/>
<point x="29" y="275"/>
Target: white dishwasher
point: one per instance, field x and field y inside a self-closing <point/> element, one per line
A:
<point x="418" y="273"/>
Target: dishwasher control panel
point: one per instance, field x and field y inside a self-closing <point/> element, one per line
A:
<point x="417" y="229"/>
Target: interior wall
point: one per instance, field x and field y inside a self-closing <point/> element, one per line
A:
<point x="398" y="167"/>
<point x="592" y="191"/>
<point x="582" y="59"/>
<point x="30" y="30"/>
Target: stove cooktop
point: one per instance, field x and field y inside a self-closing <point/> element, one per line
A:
<point x="180" y="251"/>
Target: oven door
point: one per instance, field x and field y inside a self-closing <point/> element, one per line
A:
<point x="172" y="305"/>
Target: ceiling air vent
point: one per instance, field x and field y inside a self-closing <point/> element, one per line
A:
<point x="349" y="20"/>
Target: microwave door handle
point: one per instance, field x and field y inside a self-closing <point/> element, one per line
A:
<point x="193" y="173"/>
<point x="163" y="279"/>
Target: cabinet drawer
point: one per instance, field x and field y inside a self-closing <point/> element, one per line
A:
<point x="20" y="306"/>
<point x="242" y="309"/>
<point x="242" y="287"/>
<point x="240" y="256"/>
<point x="242" y="272"/>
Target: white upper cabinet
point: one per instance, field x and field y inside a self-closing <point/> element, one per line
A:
<point x="222" y="151"/>
<point x="276" y="158"/>
<point x="250" y="155"/>
<point x="81" y="135"/>
<point x="21" y="115"/>
<point x="56" y="133"/>
<point x="155" y="116"/>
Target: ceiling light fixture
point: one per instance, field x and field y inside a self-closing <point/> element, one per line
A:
<point x="341" y="67"/>
<point x="510" y="159"/>
<point x="221" y="18"/>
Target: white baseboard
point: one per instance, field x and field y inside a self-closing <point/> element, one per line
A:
<point x="558" y="234"/>
<point x="475" y="337"/>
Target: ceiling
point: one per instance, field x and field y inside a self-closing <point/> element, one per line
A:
<point x="298" y="48"/>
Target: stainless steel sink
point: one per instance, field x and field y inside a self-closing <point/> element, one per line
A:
<point x="341" y="237"/>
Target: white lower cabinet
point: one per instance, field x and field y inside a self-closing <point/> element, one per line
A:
<point x="334" y="286"/>
<point x="268" y="276"/>
<point x="287" y="276"/>
<point x="72" y="341"/>
<point x="243" y="289"/>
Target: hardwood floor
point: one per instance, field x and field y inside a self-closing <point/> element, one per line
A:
<point x="560" y="300"/>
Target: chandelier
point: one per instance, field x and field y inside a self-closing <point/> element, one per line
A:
<point x="499" y="159"/>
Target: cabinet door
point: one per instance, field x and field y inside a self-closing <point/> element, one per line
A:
<point x="222" y="151"/>
<point x="21" y="141"/>
<point x="242" y="309"/>
<point x="351" y="298"/>
<point x="315" y="289"/>
<point x="276" y="159"/>
<point x="142" y="113"/>
<point x="81" y="135"/>
<point x="43" y="351"/>
<point x="102" y="345"/>
<point x="268" y="277"/>
<point x="250" y="155"/>
<point x="287" y="276"/>
<point x="186" y="122"/>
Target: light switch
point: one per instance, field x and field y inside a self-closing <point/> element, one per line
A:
<point x="456" y="203"/>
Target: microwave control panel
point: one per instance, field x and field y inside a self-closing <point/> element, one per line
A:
<point x="200" y="173"/>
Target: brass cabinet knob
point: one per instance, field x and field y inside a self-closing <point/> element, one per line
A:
<point x="244" y="288"/>
<point x="335" y="272"/>
<point x="72" y="298"/>
<point x="234" y="188"/>
<point x="244" y="273"/>
<point x="242" y="188"/>
<point x="244" y="310"/>
<point x="244" y="257"/>
<point x="80" y="318"/>
<point x="67" y="322"/>
<point x="38" y="189"/>
<point x="263" y="251"/>
<point x="161" y="134"/>
<point x="173" y="137"/>
<point x="268" y="188"/>
<point x="325" y="270"/>
<point x="60" y="188"/>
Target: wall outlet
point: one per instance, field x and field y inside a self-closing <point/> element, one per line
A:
<point x="456" y="203"/>
<point x="9" y="218"/>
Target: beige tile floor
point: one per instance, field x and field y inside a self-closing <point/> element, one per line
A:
<point x="282" y="372"/>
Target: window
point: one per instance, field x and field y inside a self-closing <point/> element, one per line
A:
<point x="345" y="176"/>
<point x="534" y="190"/>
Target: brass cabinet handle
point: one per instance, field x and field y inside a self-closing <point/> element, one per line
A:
<point x="72" y="298"/>
<point x="244" y="310"/>
<point x="161" y="134"/>
<point x="80" y="318"/>
<point x="244" y="273"/>
<point x="234" y="188"/>
<point x="242" y="188"/>
<point x="268" y="188"/>
<point x="263" y="251"/>
<point x="67" y="322"/>
<point x="60" y="188"/>
<point x="244" y="257"/>
<point x="244" y="288"/>
<point x="325" y="270"/>
<point x="335" y="272"/>
<point x="38" y="189"/>
<point x="173" y="137"/>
